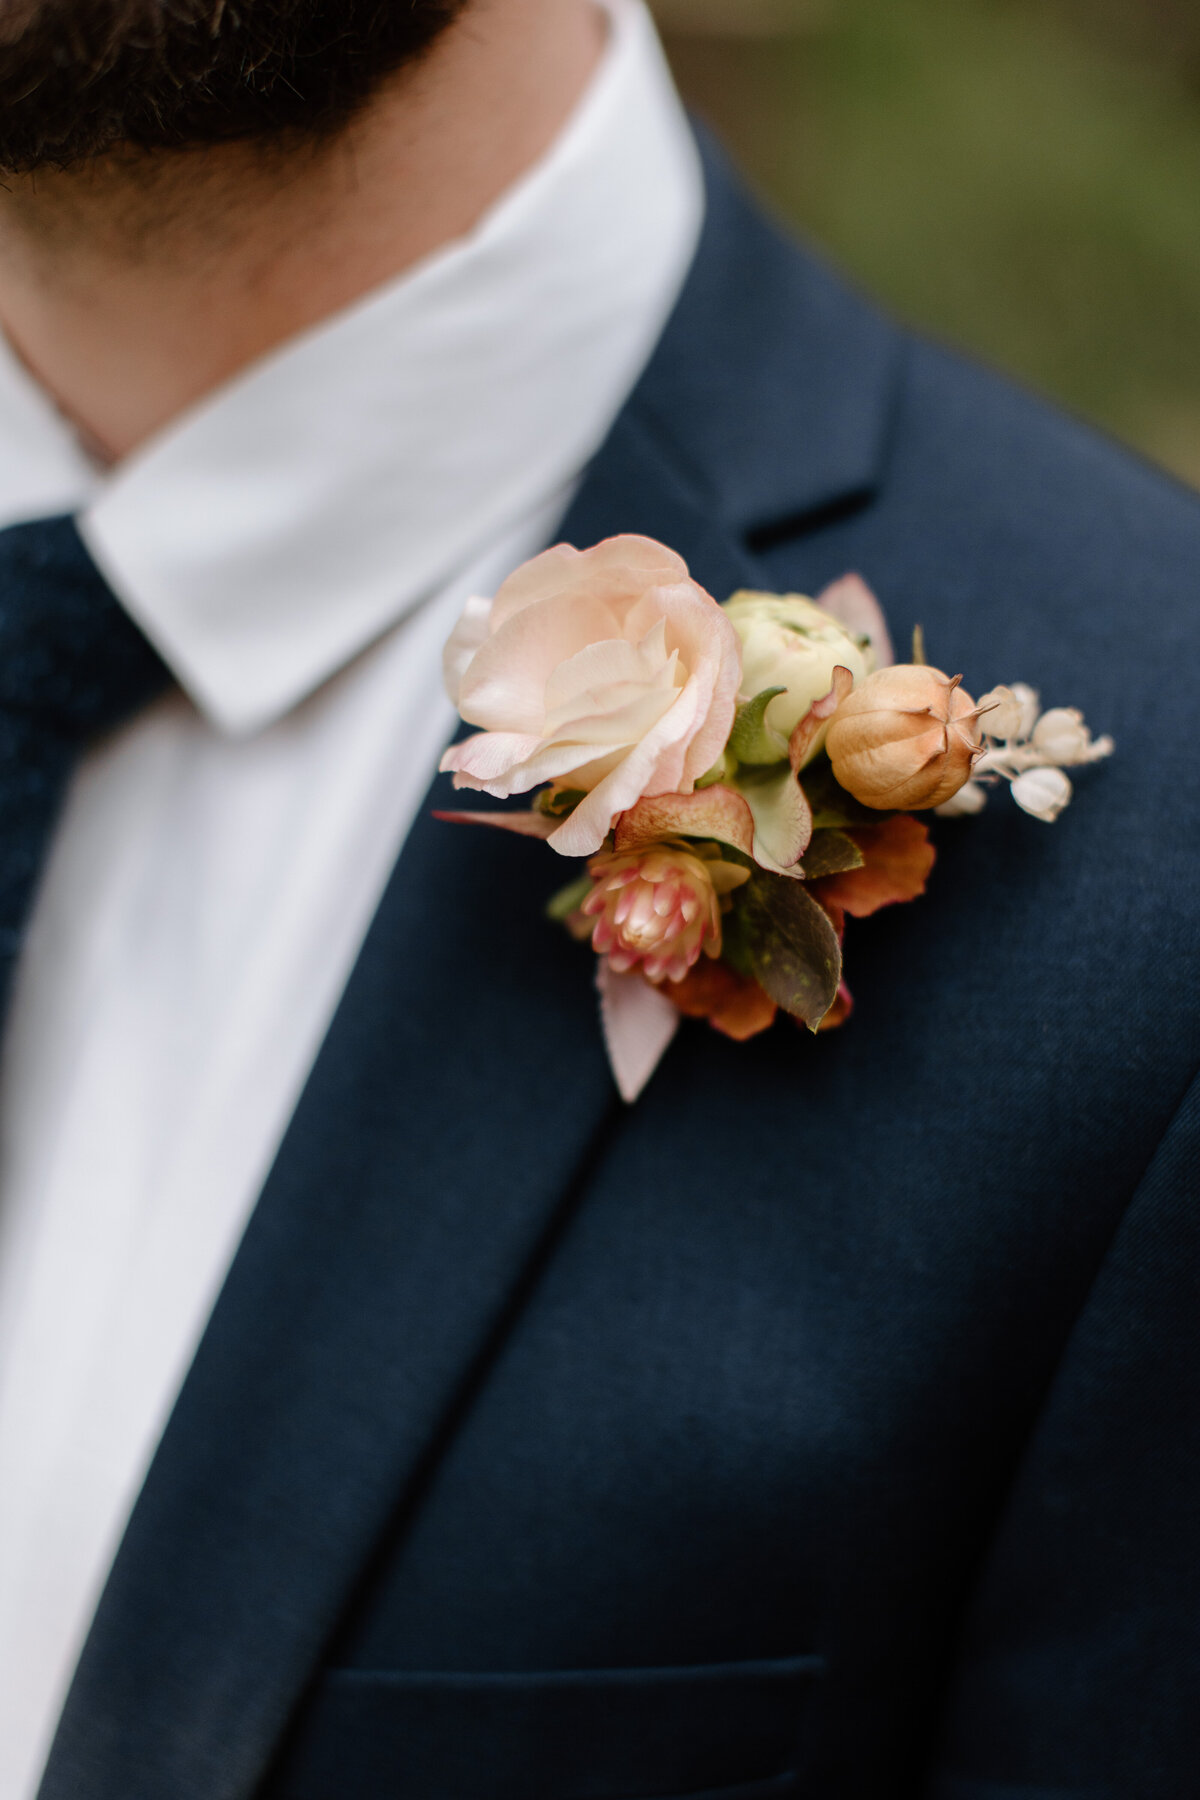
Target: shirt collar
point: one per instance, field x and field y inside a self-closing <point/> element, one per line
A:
<point x="285" y="522"/>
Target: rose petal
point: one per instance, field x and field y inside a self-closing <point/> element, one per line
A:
<point x="489" y="755"/>
<point x="540" y="578"/>
<point x="502" y="765"/>
<point x="504" y="689"/>
<point x="466" y="638"/>
<point x="613" y="664"/>
<point x="561" y="568"/>
<point x="651" y="767"/>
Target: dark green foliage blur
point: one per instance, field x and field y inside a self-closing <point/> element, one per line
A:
<point x="1021" y="177"/>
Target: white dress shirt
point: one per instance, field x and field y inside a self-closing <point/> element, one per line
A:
<point x="298" y="546"/>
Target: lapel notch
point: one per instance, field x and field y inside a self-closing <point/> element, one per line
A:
<point x="774" y="381"/>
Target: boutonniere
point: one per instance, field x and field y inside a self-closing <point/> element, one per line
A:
<point x="731" y="781"/>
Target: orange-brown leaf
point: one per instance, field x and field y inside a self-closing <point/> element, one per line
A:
<point x="733" y="1003"/>
<point x="898" y="857"/>
<point x="840" y="1011"/>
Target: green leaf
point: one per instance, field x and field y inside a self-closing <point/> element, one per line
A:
<point x="569" y="899"/>
<point x="782" y="821"/>
<point x="735" y="942"/>
<point x="831" y="853"/>
<point x="752" y="740"/>
<point x="556" y="803"/>
<point x="793" y="947"/>
<point x="722" y="770"/>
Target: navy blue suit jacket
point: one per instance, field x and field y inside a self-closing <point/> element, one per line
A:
<point x="828" y="1423"/>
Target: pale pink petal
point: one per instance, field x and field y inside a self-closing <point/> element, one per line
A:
<point x="684" y="606"/>
<point x="721" y="678"/>
<point x="489" y="755"/>
<point x="608" y="663"/>
<point x="639" y="1025"/>
<point x="583" y="831"/>
<point x="618" y="569"/>
<point x="660" y="757"/>
<point x="851" y="602"/>
<point x="504" y="764"/>
<point x="504" y="689"/>
<point x="624" y="567"/>
<point x="463" y="642"/>
<point x="717" y="688"/>
<point x="649" y="559"/>
<point x="651" y="766"/>
<point x="538" y="579"/>
<point x="630" y="717"/>
<point x="712" y="651"/>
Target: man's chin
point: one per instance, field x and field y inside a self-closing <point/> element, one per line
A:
<point x="80" y="77"/>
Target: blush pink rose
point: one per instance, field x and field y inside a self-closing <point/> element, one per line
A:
<point x="608" y="670"/>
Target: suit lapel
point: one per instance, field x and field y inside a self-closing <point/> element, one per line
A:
<point x="451" y="1117"/>
<point x="444" y="1127"/>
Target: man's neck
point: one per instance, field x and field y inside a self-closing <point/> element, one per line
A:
<point x="133" y="288"/>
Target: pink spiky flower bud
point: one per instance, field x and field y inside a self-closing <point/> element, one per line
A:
<point x="656" y="910"/>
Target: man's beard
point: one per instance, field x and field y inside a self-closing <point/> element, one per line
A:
<point x="80" y="79"/>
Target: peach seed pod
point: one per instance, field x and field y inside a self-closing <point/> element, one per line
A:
<point x="906" y="737"/>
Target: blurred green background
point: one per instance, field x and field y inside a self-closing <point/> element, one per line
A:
<point x="1021" y="177"/>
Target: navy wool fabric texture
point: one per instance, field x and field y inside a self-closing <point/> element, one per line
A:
<point x="827" y="1424"/>
<point x="72" y="666"/>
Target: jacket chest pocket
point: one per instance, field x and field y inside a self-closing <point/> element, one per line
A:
<point x="721" y="1732"/>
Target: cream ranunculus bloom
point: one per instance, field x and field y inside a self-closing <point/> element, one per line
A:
<point x="607" y="670"/>
<point x="789" y="642"/>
